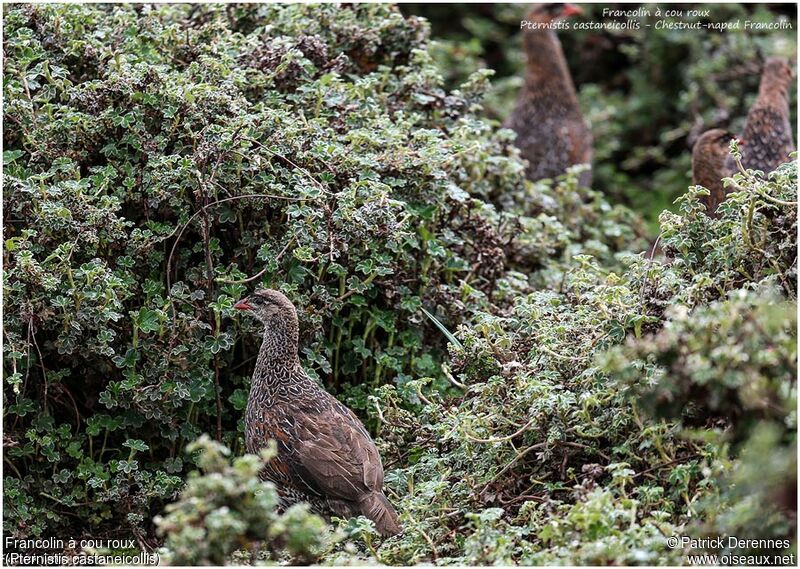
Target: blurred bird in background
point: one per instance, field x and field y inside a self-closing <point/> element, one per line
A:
<point x="766" y="142"/>
<point x="552" y="134"/>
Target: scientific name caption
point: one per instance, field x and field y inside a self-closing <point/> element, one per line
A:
<point x="75" y="552"/>
<point x="657" y="18"/>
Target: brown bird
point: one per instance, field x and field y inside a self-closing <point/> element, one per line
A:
<point x="710" y="163"/>
<point x="551" y="131"/>
<point x="767" y="139"/>
<point x="767" y="130"/>
<point x="325" y="456"/>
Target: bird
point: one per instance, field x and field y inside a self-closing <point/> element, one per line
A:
<point x="767" y="129"/>
<point x="325" y="457"/>
<point x="551" y="131"/>
<point x="710" y="164"/>
<point x="765" y="143"/>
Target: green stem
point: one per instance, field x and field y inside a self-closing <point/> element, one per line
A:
<point x="103" y="449"/>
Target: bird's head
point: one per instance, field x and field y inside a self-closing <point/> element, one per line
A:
<point x="268" y="306"/>
<point x="720" y="136"/>
<point x="716" y="141"/>
<point x="551" y="12"/>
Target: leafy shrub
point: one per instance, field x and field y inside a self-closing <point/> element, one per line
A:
<point x="728" y="362"/>
<point x="555" y="425"/>
<point x="757" y="494"/>
<point x="227" y="508"/>
<point x="726" y="371"/>
<point x="166" y="159"/>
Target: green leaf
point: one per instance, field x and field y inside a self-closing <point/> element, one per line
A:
<point x="450" y="338"/>
<point x="148" y="320"/>
<point x="10" y="155"/>
<point x="136" y="444"/>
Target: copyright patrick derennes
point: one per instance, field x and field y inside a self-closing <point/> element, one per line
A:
<point x="730" y="543"/>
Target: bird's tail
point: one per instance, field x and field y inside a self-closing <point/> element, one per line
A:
<point x="377" y="507"/>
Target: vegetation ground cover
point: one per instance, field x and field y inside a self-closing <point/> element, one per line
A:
<point x="586" y="401"/>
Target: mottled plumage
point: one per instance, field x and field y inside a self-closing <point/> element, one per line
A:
<point x="325" y="456"/>
<point x="710" y="164"/>
<point x="552" y="134"/>
<point x="768" y="132"/>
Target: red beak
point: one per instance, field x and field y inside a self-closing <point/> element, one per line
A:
<point x="242" y="305"/>
<point x="571" y="10"/>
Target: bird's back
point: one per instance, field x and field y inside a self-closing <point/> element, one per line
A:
<point x="552" y="134"/>
<point x="768" y="138"/>
<point x="767" y="131"/>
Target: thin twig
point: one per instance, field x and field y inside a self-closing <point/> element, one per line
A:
<point x="281" y="156"/>
<point x="262" y="271"/>
<point x="74" y="406"/>
<point x="547" y="350"/>
<point x="583" y="446"/>
<point x="650" y="261"/>
<point x="666" y="464"/>
<point x="41" y="364"/>
<point x="768" y="197"/>
<point x="512" y="463"/>
<point x="421" y="396"/>
<point x="521" y="430"/>
<point x="453" y="380"/>
<point x="201" y="210"/>
<point x="352" y="291"/>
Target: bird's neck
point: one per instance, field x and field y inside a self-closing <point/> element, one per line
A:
<point x="773" y="93"/>
<point x="280" y="339"/>
<point x="546" y="72"/>
<point x="277" y="358"/>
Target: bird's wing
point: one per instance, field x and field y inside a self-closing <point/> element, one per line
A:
<point x="334" y="453"/>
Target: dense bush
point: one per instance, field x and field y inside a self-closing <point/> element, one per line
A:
<point x="547" y="431"/>
<point x="164" y="160"/>
<point x="228" y="506"/>
<point x="559" y="437"/>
